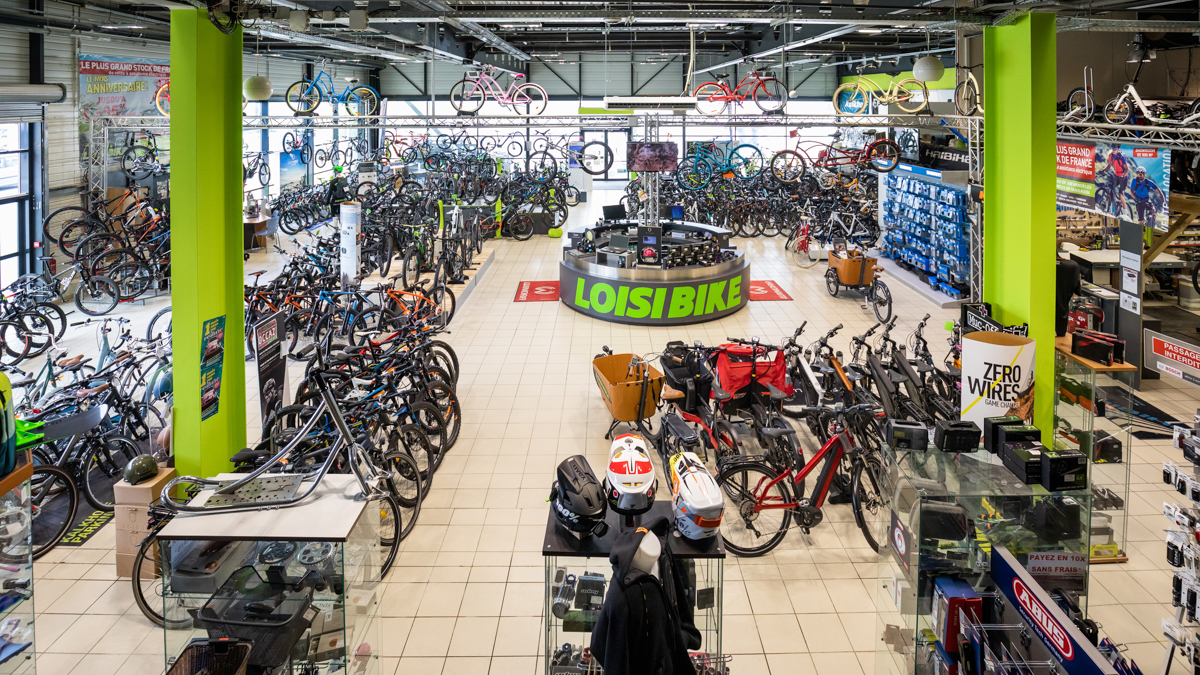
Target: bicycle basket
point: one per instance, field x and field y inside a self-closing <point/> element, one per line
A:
<point x="273" y="616"/>
<point x="213" y="657"/>
<point x="688" y="375"/>
<point x="736" y="363"/>
<point x="619" y="377"/>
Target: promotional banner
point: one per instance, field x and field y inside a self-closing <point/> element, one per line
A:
<point x="1129" y="182"/>
<point x="997" y="376"/>
<point x="273" y="390"/>
<point x="292" y="171"/>
<point x="348" y="217"/>
<point x="111" y="86"/>
<point x="212" y="337"/>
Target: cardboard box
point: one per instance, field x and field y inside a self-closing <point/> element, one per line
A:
<point x="143" y="494"/>
<point x="129" y="542"/>
<point x="125" y="567"/>
<point x="1024" y="459"/>
<point x="991" y="430"/>
<point x="1064" y="469"/>
<point x="132" y="518"/>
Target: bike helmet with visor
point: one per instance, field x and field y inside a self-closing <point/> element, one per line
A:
<point x="577" y="499"/>
<point x="696" y="500"/>
<point x="629" y="482"/>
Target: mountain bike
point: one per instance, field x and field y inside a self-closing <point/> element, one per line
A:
<point x="525" y="98"/>
<point x="291" y="144"/>
<point x="713" y="98"/>
<point x="141" y="160"/>
<point x="255" y="163"/>
<point x="304" y="96"/>
<point x="762" y="502"/>
<point x="854" y="98"/>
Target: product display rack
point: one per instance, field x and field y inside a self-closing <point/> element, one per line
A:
<point x="934" y="496"/>
<point x="302" y="583"/>
<point x="928" y="228"/>
<point x="570" y="617"/>
<point x="16" y="604"/>
<point x="1085" y="421"/>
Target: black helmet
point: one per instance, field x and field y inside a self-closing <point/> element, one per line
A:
<point x="140" y="469"/>
<point x="577" y="499"/>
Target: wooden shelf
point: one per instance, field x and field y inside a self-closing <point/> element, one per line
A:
<point x="1063" y="345"/>
<point x="19" y="475"/>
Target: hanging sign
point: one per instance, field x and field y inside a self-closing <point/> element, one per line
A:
<point x="272" y="366"/>
<point x="212" y="355"/>
<point x="1129" y="182"/>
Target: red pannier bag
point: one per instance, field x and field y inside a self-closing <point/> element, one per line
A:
<point x="736" y="362"/>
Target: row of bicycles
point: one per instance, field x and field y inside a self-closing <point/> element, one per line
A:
<point x="741" y="405"/>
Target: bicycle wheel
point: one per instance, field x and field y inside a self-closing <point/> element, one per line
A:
<point x="411" y="476"/>
<point x="391" y="518"/>
<point x="322" y="157"/>
<point x="467" y="96"/>
<point x="770" y="95"/>
<point x="1118" y="110"/>
<point x="966" y="99"/>
<point x="132" y="279"/>
<point x="59" y="219"/>
<point x="160" y="323"/>
<point x="748" y="529"/>
<point x="54" y="499"/>
<point x="425" y="417"/>
<point x="693" y="173"/>
<point x="881" y="300"/>
<point x="521" y="226"/>
<point x="444" y="298"/>
<point x="541" y="166"/>
<point x="362" y="100"/>
<point x="303" y="96"/>
<point x="137" y="162"/>
<point x="171" y="610"/>
<point x="103" y="466"/>
<point x="803" y="249"/>
<point x="788" y="166"/>
<point x="851" y="99"/>
<point x="77" y="231"/>
<point x="55" y="316"/>
<point x="912" y="95"/>
<point x="306" y="153"/>
<point x="162" y="99"/>
<point x="37" y="329"/>
<point x="410" y="266"/>
<point x="869" y="500"/>
<point x="264" y="174"/>
<point x="443" y="396"/>
<point x="16" y="343"/>
<point x="96" y="296"/>
<point x="595" y="158"/>
<point x="711" y="98"/>
<point x="747" y="161"/>
<point x="728" y="442"/>
<point x="883" y="155"/>
<point x="529" y="99"/>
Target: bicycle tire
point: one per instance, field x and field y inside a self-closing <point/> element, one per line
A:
<point x="425" y="416"/>
<point x="136" y="162"/>
<point x="912" y="86"/>
<point x="749" y="162"/>
<point x="442" y="394"/>
<point x="868" y="499"/>
<point x="103" y="467"/>
<point x="728" y="442"/>
<point x="738" y="491"/>
<point x="774" y="100"/>
<point x="37" y="329"/>
<point x="966" y="99"/>
<point x="391" y="518"/>
<point x="531" y="96"/>
<point x="467" y="100"/>
<point x="156" y="322"/>
<point x="596" y="164"/>
<point x="788" y="166"/>
<point x="54" y="500"/>
<point x="15" y="341"/>
<point x="132" y="279"/>
<point x="75" y="232"/>
<point x="705" y="105"/>
<point x="306" y="153"/>
<point x="303" y="96"/>
<point x="264" y="174"/>
<point x="541" y="166"/>
<point x="851" y="99"/>
<point x="366" y="100"/>
<point x="881" y="300"/>
<point x="96" y="296"/>
<point x="444" y="298"/>
<point x="883" y="155"/>
<point x="59" y="219"/>
<point x="411" y="442"/>
<point x="148" y="584"/>
<point x="521" y="226"/>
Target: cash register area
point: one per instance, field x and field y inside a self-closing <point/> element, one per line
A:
<point x="466" y="595"/>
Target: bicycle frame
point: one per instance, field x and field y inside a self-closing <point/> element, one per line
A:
<point x="492" y="87"/>
<point x="752" y="79"/>
<point x="832" y="452"/>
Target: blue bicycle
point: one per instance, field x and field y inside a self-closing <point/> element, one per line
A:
<point x="305" y="95"/>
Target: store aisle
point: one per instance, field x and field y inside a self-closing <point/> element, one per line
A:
<point x="466" y="595"/>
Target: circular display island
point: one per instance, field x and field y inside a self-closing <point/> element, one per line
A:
<point x="675" y="274"/>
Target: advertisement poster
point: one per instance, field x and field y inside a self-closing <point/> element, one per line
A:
<point x="272" y="366"/>
<point x="111" y="86"/>
<point x="1129" y="182"/>
<point x="292" y="172"/>
<point x="997" y="376"/>
<point x="212" y="343"/>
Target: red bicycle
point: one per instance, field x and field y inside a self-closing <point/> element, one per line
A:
<point x="713" y="98"/>
<point x="789" y="166"/>
<point x="762" y="500"/>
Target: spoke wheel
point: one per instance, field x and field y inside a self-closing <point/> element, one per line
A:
<point x="868" y="500"/>
<point x="748" y="532"/>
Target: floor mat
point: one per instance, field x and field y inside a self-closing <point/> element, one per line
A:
<point x="536" y="291"/>
<point x="1149" y="421"/>
<point x="765" y="289"/>
<point x="87" y="523"/>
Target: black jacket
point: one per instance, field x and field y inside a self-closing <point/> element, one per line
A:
<point x="639" y="631"/>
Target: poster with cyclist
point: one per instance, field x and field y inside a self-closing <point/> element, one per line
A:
<point x="1129" y="182"/>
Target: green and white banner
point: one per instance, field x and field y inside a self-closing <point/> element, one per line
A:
<point x="655" y="303"/>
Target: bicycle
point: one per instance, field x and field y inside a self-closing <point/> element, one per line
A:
<point x="469" y="94"/>
<point x="713" y="98"/>
<point x="966" y="94"/>
<point x="854" y="98"/>
<point x="753" y="490"/>
<point x="291" y="144"/>
<point x="790" y="165"/>
<point x="257" y="165"/>
<point x="141" y="161"/>
<point x="303" y="96"/>
<point x="696" y="170"/>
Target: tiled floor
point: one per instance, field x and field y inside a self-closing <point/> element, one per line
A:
<point x="466" y="595"/>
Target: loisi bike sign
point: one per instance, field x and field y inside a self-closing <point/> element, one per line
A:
<point x="653" y="302"/>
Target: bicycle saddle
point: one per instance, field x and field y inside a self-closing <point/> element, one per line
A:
<point x="86" y="392"/>
<point x="772" y="432"/>
<point x="719" y="393"/>
<point x="351" y="80"/>
<point x="17" y="384"/>
<point x="246" y="455"/>
<point x="258" y="273"/>
<point x="671" y="393"/>
<point x="68" y="362"/>
<point x="776" y="393"/>
<point x="722" y="76"/>
<point x="76" y="366"/>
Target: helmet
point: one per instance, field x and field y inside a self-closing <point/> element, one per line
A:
<point x="140" y="469"/>
<point x="629" y="483"/>
<point x="696" y="502"/>
<point x="577" y="499"/>
<point x="1141" y="169"/>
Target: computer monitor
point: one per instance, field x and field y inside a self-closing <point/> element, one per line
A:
<point x="618" y="242"/>
<point x="615" y="212"/>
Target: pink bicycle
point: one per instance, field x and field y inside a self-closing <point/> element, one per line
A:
<point x="525" y="98"/>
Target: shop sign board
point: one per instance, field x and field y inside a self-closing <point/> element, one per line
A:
<point x="273" y="390"/>
<point x="111" y="86"/>
<point x="1104" y="178"/>
<point x="212" y="344"/>
<point x="654" y="303"/>
<point x="1059" y="569"/>
<point x="945" y="157"/>
<point x="997" y="376"/>
<point x="1170" y="356"/>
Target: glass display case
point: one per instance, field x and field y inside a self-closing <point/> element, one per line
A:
<point x="300" y="585"/>
<point x="16" y="572"/>
<point x="577" y="577"/>
<point x="945" y="512"/>
<point x="1093" y="413"/>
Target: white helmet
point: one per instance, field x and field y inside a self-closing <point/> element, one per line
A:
<point x="697" y="502"/>
<point x="629" y="483"/>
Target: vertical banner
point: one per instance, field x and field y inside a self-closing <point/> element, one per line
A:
<point x="292" y="171"/>
<point x="997" y="376"/>
<point x="272" y="367"/>
<point x="1129" y="182"/>
<point x="212" y="339"/>
<point x="113" y="86"/>
<point x="348" y="216"/>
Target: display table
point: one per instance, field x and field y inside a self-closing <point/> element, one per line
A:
<point x="650" y="295"/>
<point x="301" y="582"/>
<point x="587" y="559"/>
<point x="944" y="515"/>
<point x="249" y="227"/>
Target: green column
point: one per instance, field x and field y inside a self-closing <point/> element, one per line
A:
<point x="1019" y="175"/>
<point x="206" y="235"/>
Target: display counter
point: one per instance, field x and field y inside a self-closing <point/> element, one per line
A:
<point x="687" y="274"/>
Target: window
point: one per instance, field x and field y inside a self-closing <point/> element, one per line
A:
<point x="15" y="202"/>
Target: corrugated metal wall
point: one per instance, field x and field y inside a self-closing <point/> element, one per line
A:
<point x="14" y="57"/>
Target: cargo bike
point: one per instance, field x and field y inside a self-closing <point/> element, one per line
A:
<point x="851" y="269"/>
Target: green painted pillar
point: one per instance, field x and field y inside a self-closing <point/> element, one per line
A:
<point x="206" y="236"/>
<point x="1019" y="177"/>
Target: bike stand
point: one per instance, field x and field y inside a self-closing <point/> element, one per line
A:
<point x="304" y="114"/>
<point x="463" y="113"/>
